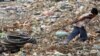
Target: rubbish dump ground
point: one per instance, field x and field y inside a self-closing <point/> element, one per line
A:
<point x="42" y="19"/>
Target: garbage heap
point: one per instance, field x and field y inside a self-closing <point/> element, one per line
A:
<point x="43" y="18"/>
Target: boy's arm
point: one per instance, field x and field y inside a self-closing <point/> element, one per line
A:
<point x="80" y="19"/>
<point x="77" y="20"/>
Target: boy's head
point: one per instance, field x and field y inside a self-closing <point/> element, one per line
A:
<point x="94" y="11"/>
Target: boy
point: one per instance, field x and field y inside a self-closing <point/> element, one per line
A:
<point x="79" y="26"/>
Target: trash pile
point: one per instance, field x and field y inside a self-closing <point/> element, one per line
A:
<point x="46" y="19"/>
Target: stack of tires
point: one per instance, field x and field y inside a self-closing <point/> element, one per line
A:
<point x="13" y="44"/>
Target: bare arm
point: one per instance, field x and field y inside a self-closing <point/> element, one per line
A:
<point x="81" y="19"/>
<point x="77" y="20"/>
